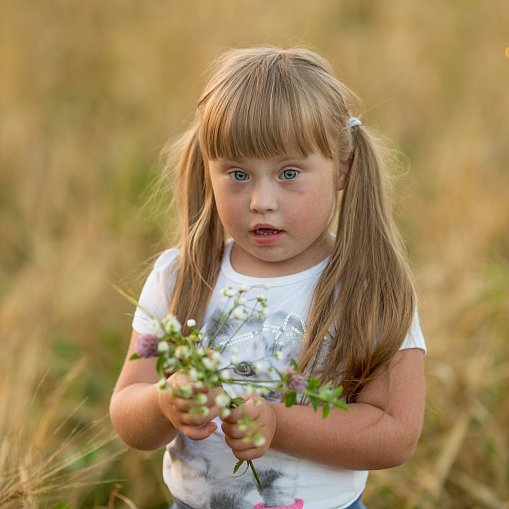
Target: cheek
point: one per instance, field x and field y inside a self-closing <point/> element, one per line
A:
<point x="311" y="208"/>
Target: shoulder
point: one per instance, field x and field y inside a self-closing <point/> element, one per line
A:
<point x="166" y="260"/>
<point x="415" y="337"/>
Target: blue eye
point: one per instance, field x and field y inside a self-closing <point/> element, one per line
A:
<point x="239" y="175"/>
<point x="290" y="174"/>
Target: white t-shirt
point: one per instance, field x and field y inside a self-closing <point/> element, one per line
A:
<point x="199" y="473"/>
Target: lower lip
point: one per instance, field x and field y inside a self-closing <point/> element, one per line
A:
<point x="264" y="240"/>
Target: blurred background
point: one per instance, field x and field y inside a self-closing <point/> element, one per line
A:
<point x="89" y="93"/>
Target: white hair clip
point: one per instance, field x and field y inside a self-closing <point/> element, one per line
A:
<point x="353" y="121"/>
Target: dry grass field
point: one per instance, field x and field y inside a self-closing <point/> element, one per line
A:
<point x="89" y="93"/>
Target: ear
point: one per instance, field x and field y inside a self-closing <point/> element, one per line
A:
<point x="344" y="171"/>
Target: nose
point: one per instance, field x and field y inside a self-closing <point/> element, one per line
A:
<point x="263" y="198"/>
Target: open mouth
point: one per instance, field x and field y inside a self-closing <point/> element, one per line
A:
<point x="267" y="231"/>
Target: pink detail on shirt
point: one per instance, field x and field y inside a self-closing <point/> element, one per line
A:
<point x="299" y="504"/>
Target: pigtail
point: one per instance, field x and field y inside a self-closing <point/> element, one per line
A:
<point x="202" y="237"/>
<point x="372" y="312"/>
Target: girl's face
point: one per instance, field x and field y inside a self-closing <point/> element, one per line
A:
<point x="277" y="210"/>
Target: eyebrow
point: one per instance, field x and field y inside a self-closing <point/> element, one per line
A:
<point x="279" y="159"/>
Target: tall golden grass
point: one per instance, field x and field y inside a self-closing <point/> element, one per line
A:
<point x="90" y="91"/>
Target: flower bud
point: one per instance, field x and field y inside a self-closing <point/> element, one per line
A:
<point x="201" y="398"/>
<point x="240" y="314"/>
<point x="259" y="440"/>
<point x="222" y="399"/>
<point x="266" y="286"/>
<point x="203" y="410"/>
<point x="224" y="413"/>
<point x="244" y="288"/>
<point x="191" y="323"/>
<point x="163" y="346"/>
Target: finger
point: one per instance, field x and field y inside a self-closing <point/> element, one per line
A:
<point x="197" y="432"/>
<point x="232" y="430"/>
<point x="200" y="418"/>
<point x="181" y="404"/>
<point x="237" y="444"/>
<point x="249" y="454"/>
<point x="236" y="415"/>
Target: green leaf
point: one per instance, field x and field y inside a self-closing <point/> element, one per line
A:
<point x="314" y="402"/>
<point x="340" y="404"/>
<point x="159" y="367"/>
<point x="134" y="356"/>
<point x="313" y="383"/>
<point x="337" y="392"/>
<point x="237" y="401"/>
<point x="290" y="398"/>
<point x="326" y="410"/>
<point x="294" y="364"/>
<point x="237" y="466"/>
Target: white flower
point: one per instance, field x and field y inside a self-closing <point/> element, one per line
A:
<point x="259" y="440"/>
<point x="234" y="350"/>
<point x="191" y="323"/>
<point x="278" y="355"/>
<point x="193" y="374"/>
<point x="260" y="298"/>
<point x="203" y="410"/>
<point x="264" y="311"/>
<point x="241" y="301"/>
<point x="266" y="286"/>
<point x="244" y="288"/>
<point x="208" y="363"/>
<point x="258" y="367"/>
<point x="222" y="399"/>
<point x="258" y="392"/>
<point x="171" y="324"/>
<point x="224" y="413"/>
<point x="163" y="346"/>
<point x="198" y="384"/>
<point x="248" y="390"/>
<point x="182" y="352"/>
<point x="222" y="292"/>
<point x="231" y="293"/>
<point x="163" y="386"/>
<point x="186" y="391"/>
<point x="240" y="314"/>
<point x="235" y="360"/>
<point x="200" y="351"/>
<point x="215" y="356"/>
<point x="224" y="375"/>
<point x="155" y="326"/>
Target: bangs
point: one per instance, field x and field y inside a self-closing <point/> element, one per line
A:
<point x="264" y="110"/>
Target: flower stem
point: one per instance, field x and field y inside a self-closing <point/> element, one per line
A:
<point x="250" y="463"/>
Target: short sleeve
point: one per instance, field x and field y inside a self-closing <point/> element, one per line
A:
<point x="414" y="338"/>
<point x="156" y="294"/>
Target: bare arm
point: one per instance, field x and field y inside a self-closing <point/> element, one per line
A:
<point x="364" y="438"/>
<point x="146" y="419"/>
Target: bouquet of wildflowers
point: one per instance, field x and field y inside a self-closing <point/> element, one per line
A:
<point x="204" y="364"/>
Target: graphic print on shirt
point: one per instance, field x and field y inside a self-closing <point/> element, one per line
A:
<point x="281" y="331"/>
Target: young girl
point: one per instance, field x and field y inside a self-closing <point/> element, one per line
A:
<point x="272" y="161"/>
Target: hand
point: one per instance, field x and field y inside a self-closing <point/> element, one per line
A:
<point x="177" y="409"/>
<point x="265" y="419"/>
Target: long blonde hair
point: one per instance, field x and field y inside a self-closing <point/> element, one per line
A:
<point x="267" y="101"/>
